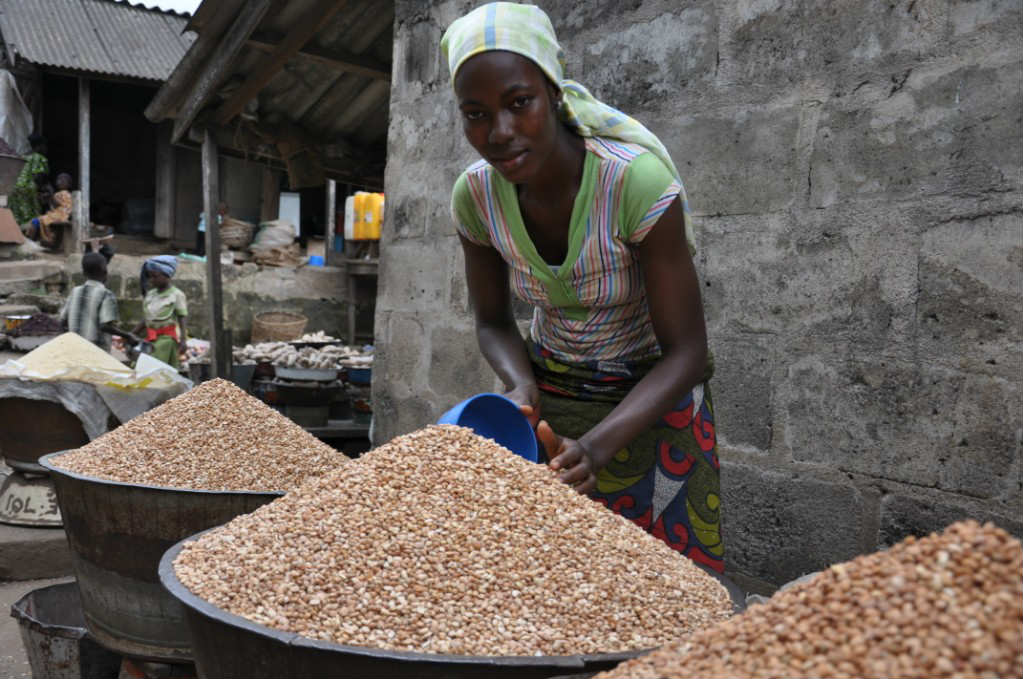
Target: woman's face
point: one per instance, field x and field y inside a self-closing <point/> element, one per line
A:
<point x="508" y="112"/>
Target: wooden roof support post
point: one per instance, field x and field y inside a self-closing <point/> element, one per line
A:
<point x="315" y="18"/>
<point x="84" y="160"/>
<point x="216" y="69"/>
<point x="220" y="365"/>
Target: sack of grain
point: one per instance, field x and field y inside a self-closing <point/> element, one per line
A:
<point x="948" y="605"/>
<point x="67" y="357"/>
<point x="442" y="541"/>
<point x="273" y="234"/>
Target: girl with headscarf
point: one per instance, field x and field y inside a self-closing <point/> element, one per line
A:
<point x="578" y="209"/>
<point x="164" y="309"/>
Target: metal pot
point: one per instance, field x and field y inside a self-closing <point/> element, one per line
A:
<point x="227" y="646"/>
<point x="117" y="533"/>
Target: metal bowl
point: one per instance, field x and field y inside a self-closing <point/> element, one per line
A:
<point x="227" y="646"/>
<point x="306" y="374"/>
<point x="117" y="533"/>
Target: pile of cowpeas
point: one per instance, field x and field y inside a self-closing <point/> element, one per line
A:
<point x="213" y="437"/>
<point x="442" y="541"/>
<point x="946" y="605"/>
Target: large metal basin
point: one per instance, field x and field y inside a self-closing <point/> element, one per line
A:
<point x="227" y="646"/>
<point x="30" y="428"/>
<point x="117" y="533"/>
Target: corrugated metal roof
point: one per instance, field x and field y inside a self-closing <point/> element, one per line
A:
<point x="97" y="36"/>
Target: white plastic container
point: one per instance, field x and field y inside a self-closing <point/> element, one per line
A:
<point x="349" y="229"/>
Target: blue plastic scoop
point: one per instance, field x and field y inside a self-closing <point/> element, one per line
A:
<point x="495" y="417"/>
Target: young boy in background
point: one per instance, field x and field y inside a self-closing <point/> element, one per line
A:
<point x="91" y="308"/>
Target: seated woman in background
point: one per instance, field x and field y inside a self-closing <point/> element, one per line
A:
<point x="164" y="310"/>
<point x="46" y="227"/>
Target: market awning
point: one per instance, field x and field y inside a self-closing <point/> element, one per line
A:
<point x="305" y="83"/>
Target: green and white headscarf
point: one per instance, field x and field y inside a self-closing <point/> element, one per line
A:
<point x="527" y="30"/>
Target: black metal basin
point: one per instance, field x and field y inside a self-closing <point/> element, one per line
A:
<point x="30" y="428"/>
<point x="227" y="646"/>
<point x="117" y="533"/>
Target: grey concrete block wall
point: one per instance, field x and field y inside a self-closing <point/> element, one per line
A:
<point x="855" y="173"/>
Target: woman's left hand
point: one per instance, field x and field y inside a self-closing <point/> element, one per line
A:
<point x="183" y="346"/>
<point x="571" y="457"/>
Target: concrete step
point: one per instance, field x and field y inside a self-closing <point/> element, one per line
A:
<point x="28" y="275"/>
<point x="13" y="286"/>
<point x="18" y="310"/>
<point x="32" y="269"/>
<point x="33" y="553"/>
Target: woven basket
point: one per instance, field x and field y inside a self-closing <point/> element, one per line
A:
<point x="277" y="326"/>
<point x="234" y="233"/>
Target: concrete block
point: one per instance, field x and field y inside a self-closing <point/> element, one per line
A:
<point x="752" y="138"/>
<point x="904" y="515"/>
<point x="50" y="304"/>
<point x="414" y="275"/>
<point x="985" y="20"/>
<point x="393" y="416"/>
<point x="859" y="146"/>
<point x="130" y="312"/>
<point x="457" y="368"/>
<point x="33" y="553"/>
<point x="18" y="310"/>
<point x="406" y="218"/>
<point x="781" y="42"/>
<point x="838" y="281"/>
<point x="401" y="362"/>
<point x="650" y="58"/>
<point x="35" y="269"/>
<point x="969" y="310"/>
<point x="984" y="448"/>
<point x="884" y="420"/>
<point x="742" y="392"/>
<point x="779" y="526"/>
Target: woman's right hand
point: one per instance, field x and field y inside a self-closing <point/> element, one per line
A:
<point x="528" y="400"/>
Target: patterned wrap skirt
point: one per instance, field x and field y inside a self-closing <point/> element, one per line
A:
<point x="667" y="479"/>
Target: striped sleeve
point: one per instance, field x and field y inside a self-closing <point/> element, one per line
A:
<point x="463" y="211"/>
<point x="108" y="308"/>
<point x="649" y="188"/>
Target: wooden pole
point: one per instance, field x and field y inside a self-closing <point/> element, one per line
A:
<point x="220" y="61"/>
<point x="84" y="159"/>
<point x="219" y="366"/>
<point x="330" y="223"/>
<point x="166" y="176"/>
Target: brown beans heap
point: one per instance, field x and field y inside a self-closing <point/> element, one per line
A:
<point x="445" y="542"/>
<point x="213" y="437"/>
<point x="948" y="605"/>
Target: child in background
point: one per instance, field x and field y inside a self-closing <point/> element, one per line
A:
<point x="91" y="308"/>
<point x="164" y="309"/>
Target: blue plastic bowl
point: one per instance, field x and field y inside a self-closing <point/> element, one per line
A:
<point x="360" y="375"/>
<point x="316" y="260"/>
<point x="495" y="417"/>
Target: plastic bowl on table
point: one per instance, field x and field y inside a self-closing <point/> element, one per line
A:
<point x="495" y="417"/>
<point x="360" y="375"/>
